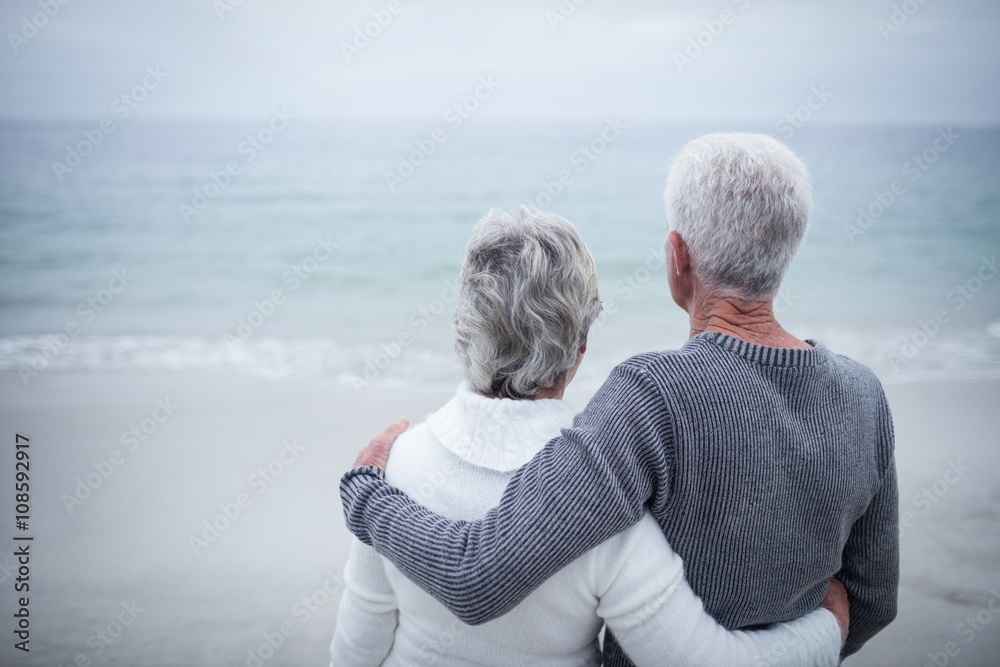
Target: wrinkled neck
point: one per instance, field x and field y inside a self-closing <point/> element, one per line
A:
<point x="752" y="321"/>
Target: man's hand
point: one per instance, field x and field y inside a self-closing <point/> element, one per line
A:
<point x="377" y="451"/>
<point x="837" y="603"/>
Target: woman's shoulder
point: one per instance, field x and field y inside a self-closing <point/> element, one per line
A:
<point x="412" y="452"/>
<point x="431" y="474"/>
<point x="418" y="455"/>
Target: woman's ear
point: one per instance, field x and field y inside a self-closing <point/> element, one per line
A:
<point x="583" y="348"/>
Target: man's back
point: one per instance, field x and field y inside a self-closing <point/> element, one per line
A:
<point x="775" y="456"/>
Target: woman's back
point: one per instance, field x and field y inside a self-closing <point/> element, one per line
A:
<point x="458" y="464"/>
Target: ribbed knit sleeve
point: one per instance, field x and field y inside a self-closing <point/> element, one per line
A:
<point x="581" y="489"/>
<point x="870" y="570"/>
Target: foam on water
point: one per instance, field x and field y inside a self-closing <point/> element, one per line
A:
<point x="896" y="358"/>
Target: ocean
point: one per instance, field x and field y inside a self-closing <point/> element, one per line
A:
<point x="358" y="229"/>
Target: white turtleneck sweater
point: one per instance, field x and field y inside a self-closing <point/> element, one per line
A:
<point x="457" y="463"/>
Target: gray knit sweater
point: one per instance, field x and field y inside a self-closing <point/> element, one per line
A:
<point x="769" y="470"/>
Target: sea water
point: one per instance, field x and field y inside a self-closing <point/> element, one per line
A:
<point x="326" y="249"/>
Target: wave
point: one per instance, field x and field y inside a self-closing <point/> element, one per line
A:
<point x="267" y="358"/>
<point x="898" y="357"/>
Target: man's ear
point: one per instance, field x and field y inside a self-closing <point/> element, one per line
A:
<point x="583" y="348"/>
<point x="679" y="252"/>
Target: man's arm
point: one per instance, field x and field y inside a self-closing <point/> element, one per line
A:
<point x="369" y="611"/>
<point x="582" y="488"/>
<point x="870" y="568"/>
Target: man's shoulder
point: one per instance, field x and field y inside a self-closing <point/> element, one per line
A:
<point x="667" y="365"/>
<point x="861" y="371"/>
<point x="858" y="374"/>
<point x="656" y="360"/>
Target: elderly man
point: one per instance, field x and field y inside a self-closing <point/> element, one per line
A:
<point x="767" y="460"/>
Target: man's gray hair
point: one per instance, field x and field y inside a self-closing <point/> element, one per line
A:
<point x="741" y="203"/>
<point x="528" y="295"/>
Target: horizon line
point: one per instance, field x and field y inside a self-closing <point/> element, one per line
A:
<point x="859" y="123"/>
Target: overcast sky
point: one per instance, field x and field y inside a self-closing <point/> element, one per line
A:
<point x="942" y="65"/>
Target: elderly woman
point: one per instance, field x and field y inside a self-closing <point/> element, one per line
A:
<point x="767" y="460"/>
<point x="528" y="297"/>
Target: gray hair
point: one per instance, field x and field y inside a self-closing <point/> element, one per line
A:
<point x="741" y="203"/>
<point x="527" y="298"/>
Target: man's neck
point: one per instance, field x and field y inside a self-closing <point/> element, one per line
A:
<point x="752" y="321"/>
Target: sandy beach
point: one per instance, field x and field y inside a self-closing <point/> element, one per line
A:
<point x="219" y="534"/>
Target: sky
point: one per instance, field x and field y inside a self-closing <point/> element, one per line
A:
<point x="856" y="61"/>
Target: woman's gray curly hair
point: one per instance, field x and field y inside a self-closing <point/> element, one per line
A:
<point x="528" y="295"/>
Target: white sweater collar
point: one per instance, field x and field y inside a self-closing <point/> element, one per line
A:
<point x="498" y="433"/>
